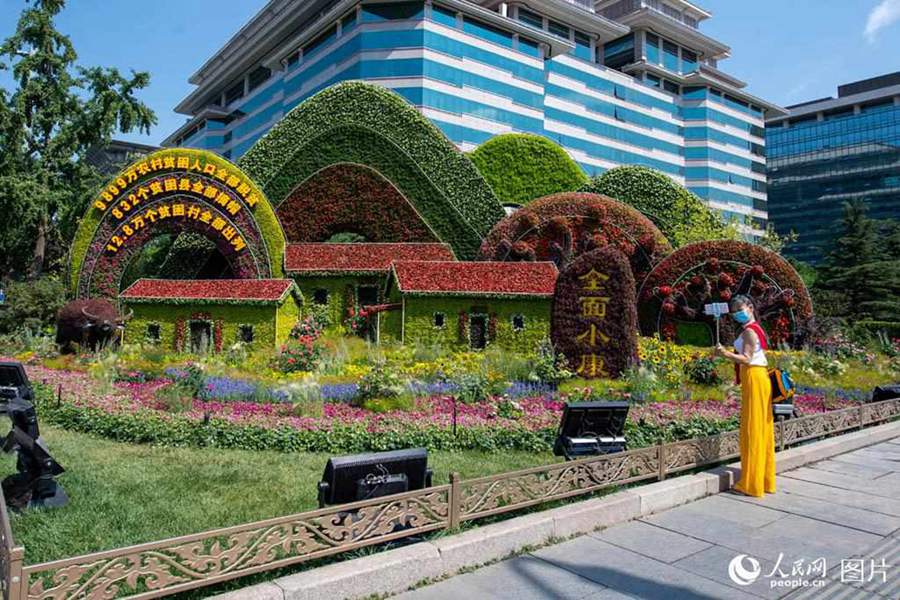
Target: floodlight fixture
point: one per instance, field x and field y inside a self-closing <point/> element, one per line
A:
<point x="591" y="429"/>
<point x="373" y="474"/>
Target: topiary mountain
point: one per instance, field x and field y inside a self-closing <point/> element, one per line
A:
<point x="363" y="124"/>
<point x="521" y="167"/>
<point x="680" y="215"/>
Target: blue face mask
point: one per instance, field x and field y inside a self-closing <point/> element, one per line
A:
<point x="741" y="316"/>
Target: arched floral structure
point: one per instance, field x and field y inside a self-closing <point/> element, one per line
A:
<point x="171" y="191"/>
<point x="365" y="124"/>
<point x="672" y="297"/>
<point x="563" y="226"/>
<point x="348" y="197"/>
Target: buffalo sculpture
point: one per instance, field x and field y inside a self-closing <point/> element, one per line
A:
<point x="88" y="324"/>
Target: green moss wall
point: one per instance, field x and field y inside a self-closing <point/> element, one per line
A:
<point x="420" y="329"/>
<point x="337" y="291"/>
<point x="266" y="332"/>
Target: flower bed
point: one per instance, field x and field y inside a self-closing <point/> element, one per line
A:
<point x="132" y="413"/>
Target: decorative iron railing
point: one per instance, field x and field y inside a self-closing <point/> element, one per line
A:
<point x="165" y="567"/>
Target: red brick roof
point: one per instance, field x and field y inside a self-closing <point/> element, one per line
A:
<point x="209" y="290"/>
<point x="476" y="278"/>
<point x="358" y="258"/>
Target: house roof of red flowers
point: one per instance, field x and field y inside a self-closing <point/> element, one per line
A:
<point x="210" y="291"/>
<point x="475" y="278"/>
<point x="358" y="258"/>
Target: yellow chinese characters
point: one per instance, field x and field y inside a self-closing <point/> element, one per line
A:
<point x="176" y="210"/>
<point x="111" y="196"/>
<point x="593" y="307"/>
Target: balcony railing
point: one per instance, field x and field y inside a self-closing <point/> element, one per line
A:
<point x="626" y="7"/>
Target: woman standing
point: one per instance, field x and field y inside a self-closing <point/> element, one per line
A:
<point x="757" y="434"/>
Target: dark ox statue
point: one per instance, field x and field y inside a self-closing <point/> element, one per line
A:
<point x="89" y="324"/>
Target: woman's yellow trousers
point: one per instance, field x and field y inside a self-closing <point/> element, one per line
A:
<point x="757" y="435"/>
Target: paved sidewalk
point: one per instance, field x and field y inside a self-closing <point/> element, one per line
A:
<point x="845" y="508"/>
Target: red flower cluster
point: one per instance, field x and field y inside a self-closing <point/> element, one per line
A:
<point x="185" y="290"/>
<point x="716" y="271"/>
<point x="349" y="197"/>
<point x="476" y="278"/>
<point x="563" y="226"/>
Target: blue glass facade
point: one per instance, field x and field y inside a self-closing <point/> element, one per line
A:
<point x="475" y="79"/>
<point x="821" y="159"/>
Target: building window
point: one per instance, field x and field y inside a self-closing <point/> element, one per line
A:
<point x="439" y="320"/>
<point x="518" y="322"/>
<point x="258" y="77"/>
<point x="235" y="92"/>
<point x="558" y="29"/>
<point x="245" y="334"/>
<point x="320" y="296"/>
<point x="654" y="80"/>
<point x="153" y="333"/>
<point x="670" y="86"/>
<point x="533" y="19"/>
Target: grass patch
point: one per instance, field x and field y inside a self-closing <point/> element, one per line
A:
<point x="124" y="494"/>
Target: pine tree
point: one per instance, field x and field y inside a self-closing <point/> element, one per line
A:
<point x="55" y="112"/>
<point x="863" y="269"/>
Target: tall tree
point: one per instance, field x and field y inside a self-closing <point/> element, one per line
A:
<point x="862" y="268"/>
<point x="55" y="112"/>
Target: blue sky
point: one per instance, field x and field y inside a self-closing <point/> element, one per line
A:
<point x="788" y="51"/>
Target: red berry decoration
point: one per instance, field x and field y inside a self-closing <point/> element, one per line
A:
<point x="725" y="295"/>
<point x="696" y="281"/>
<point x="665" y="291"/>
<point x="757" y="270"/>
<point x="668" y="307"/>
<point x="713" y="266"/>
<point x="725" y="280"/>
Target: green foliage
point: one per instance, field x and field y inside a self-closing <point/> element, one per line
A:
<point x="31" y="305"/>
<point x="521" y="167"/>
<point x="862" y="270"/>
<point x="381" y="382"/>
<point x="54" y="114"/>
<point x="346" y="237"/>
<point x="703" y="370"/>
<point x="807" y="272"/>
<point x="150" y="260"/>
<point x="550" y="366"/>
<point x="356" y="122"/>
<point x="682" y="216"/>
<point x="185" y="258"/>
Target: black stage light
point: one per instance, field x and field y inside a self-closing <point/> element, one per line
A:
<point x="591" y="428"/>
<point x="886" y="392"/>
<point x="372" y="475"/>
<point x="34" y="483"/>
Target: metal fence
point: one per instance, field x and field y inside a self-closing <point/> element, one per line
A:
<point x="165" y="567"/>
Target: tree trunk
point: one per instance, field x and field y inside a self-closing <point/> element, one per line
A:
<point x="40" y="248"/>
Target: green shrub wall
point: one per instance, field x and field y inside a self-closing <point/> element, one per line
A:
<point x="337" y="287"/>
<point x="681" y="216"/>
<point x="355" y="122"/>
<point x="266" y="332"/>
<point x="419" y="321"/>
<point x="520" y="167"/>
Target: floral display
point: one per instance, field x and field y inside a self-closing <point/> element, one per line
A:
<point x="365" y="124"/>
<point x="595" y="314"/>
<point x="481" y="278"/>
<point x="194" y="291"/>
<point x="175" y="190"/>
<point x="361" y="258"/>
<point x="350" y="197"/>
<point x="561" y="227"/>
<point x="672" y="297"/>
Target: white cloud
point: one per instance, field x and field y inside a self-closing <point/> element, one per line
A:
<point x="885" y="14"/>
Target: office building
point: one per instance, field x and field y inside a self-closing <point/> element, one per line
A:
<point x="830" y="151"/>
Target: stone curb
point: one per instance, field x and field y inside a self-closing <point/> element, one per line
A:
<point x="395" y="571"/>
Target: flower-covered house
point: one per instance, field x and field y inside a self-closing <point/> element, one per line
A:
<point x="468" y="304"/>
<point x="342" y="277"/>
<point x="208" y="315"/>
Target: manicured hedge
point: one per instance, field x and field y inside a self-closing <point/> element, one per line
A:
<point x="521" y="167"/>
<point x="890" y="328"/>
<point x="263" y="216"/>
<point x="681" y="215"/>
<point x="361" y="123"/>
<point x="561" y="227"/>
<point x="715" y="271"/>
<point x="350" y="198"/>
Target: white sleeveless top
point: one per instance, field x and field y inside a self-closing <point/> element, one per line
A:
<point x="759" y="356"/>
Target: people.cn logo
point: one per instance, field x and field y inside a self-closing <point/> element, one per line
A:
<point x="739" y="573"/>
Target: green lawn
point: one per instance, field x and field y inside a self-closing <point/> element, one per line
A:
<point x="123" y="494"/>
